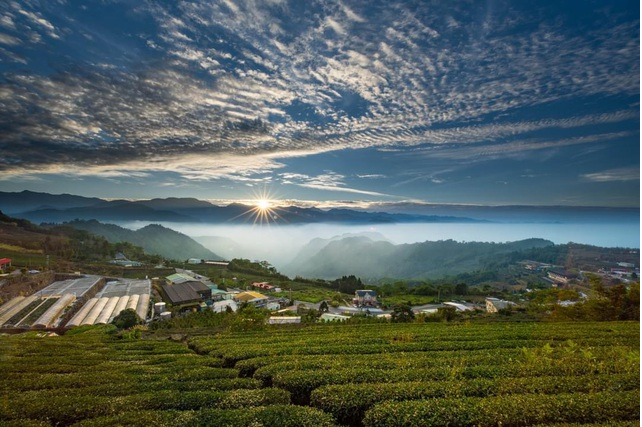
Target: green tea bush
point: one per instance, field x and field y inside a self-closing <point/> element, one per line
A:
<point x="509" y="411"/>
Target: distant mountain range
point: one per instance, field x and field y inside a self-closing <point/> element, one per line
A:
<point x="44" y="207"/>
<point x="373" y="257"/>
<point x="154" y="239"/>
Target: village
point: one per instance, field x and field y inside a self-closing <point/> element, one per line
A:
<point x="79" y="299"/>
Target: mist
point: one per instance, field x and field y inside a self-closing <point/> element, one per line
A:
<point x="280" y="244"/>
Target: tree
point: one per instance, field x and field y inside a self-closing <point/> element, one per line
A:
<point x="127" y="319"/>
<point x="402" y="313"/>
<point x="323" y="307"/>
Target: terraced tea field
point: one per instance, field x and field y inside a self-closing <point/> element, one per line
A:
<point x="510" y="374"/>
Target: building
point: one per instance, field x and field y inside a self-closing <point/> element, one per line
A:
<point x="221" y="306"/>
<point x="5" y="264"/>
<point x="194" y="261"/>
<point x="284" y="320"/>
<point x="365" y="298"/>
<point x="192" y="292"/>
<point x="262" y="285"/>
<point x="493" y="305"/>
<point x="561" y="276"/>
<point x="251" y="297"/>
<point x="329" y="317"/>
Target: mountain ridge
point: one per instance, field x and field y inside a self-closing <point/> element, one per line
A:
<point x="45" y="207"/>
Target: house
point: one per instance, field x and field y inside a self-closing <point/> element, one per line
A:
<point x="251" y="297"/>
<point x="5" y="264"/>
<point x="561" y="276"/>
<point x="365" y="298"/>
<point x="262" y="285"/>
<point x="493" y="305"/>
<point x="194" y="261"/>
<point x="192" y="292"/>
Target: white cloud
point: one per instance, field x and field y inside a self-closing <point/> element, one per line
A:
<point x="611" y="175"/>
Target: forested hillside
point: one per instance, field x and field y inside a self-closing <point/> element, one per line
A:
<point x="154" y="238"/>
<point x="371" y="260"/>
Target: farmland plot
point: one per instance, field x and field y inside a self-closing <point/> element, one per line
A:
<point x="357" y="375"/>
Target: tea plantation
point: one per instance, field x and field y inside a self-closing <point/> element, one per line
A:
<point x="509" y="374"/>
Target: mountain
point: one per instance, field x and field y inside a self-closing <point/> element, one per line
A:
<point x="12" y="203"/>
<point x="44" y="207"/>
<point x="376" y="259"/>
<point x="154" y="238"/>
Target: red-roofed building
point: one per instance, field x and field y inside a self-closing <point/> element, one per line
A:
<point x="5" y="263"/>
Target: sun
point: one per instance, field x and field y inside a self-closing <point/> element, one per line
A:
<point x="263" y="205"/>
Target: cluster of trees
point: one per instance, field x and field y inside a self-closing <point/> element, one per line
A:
<point x="617" y="302"/>
<point x="258" y="268"/>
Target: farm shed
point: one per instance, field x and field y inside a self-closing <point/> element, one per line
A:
<point x="82" y="313"/>
<point x="187" y="292"/>
<point x="143" y="306"/>
<point x="104" y="315"/>
<point x="95" y="311"/>
<point x="122" y="304"/>
<point x="50" y="316"/>
<point x="133" y="302"/>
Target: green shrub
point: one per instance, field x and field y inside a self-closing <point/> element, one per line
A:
<point x="509" y="411"/>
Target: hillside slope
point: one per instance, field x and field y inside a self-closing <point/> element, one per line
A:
<point x="370" y="259"/>
<point x="154" y="238"/>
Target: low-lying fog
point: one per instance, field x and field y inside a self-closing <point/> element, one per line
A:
<point x="279" y="245"/>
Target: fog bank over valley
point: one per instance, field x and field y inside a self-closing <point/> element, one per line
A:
<point x="282" y="244"/>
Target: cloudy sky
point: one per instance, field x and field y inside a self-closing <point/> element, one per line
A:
<point x="480" y="102"/>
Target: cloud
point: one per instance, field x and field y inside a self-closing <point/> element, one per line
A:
<point x="611" y="175"/>
<point x="271" y="80"/>
<point x="329" y="181"/>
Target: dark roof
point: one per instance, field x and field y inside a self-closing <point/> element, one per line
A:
<point x="365" y="292"/>
<point x="183" y="293"/>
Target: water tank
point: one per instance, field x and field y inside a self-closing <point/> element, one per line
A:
<point x="159" y="307"/>
<point x="166" y="315"/>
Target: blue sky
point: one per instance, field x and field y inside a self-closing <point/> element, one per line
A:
<point x="325" y="101"/>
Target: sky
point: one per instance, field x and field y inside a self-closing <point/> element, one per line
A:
<point x="324" y="101"/>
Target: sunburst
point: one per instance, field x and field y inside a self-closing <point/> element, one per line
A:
<point x="263" y="210"/>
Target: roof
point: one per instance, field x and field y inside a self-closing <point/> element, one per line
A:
<point x="249" y="296"/>
<point x="183" y="293"/>
<point x="5" y="260"/>
<point x="364" y="292"/>
<point x="179" y="278"/>
<point x="458" y="306"/>
<point x="284" y="319"/>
